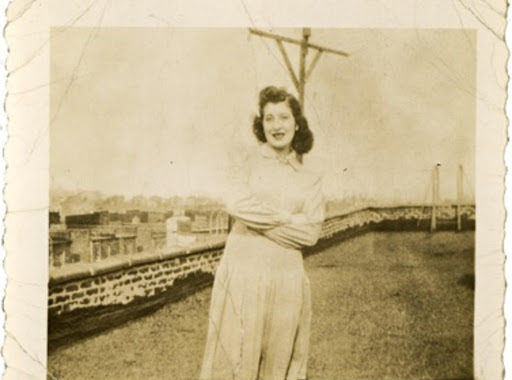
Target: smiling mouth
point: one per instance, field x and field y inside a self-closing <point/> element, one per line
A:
<point x="278" y="136"/>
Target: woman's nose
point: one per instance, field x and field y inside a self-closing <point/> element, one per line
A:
<point x="276" y="125"/>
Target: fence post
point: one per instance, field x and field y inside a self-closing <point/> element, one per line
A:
<point x="91" y="249"/>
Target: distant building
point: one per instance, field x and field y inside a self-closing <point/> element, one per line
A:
<point x="116" y="218"/>
<point x="126" y="243"/>
<point x="60" y="249"/>
<point x="81" y="243"/>
<point x="83" y="220"/>
<point x="105" y="245"/>
<point x="200" y="224"/>
<point x="191" y="214"/>
<point x="142" y="216"/>
<point x="179" y="231"/>
<point x="137" y="216"/>
<point x="54" y="217"/>
<point x="155" y="217"/>
<point x="95" y="244"/>
<point x="158" y="239"/>
<point x="211" y="222"/>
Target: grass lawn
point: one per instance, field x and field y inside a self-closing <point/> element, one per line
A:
<point x="386" y="306"/>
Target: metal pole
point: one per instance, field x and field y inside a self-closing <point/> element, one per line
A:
<point x="438" y="180"/>
<point x="459" y="197"/>
<point x="306" y="33"/>
<point x="435" y="190"/>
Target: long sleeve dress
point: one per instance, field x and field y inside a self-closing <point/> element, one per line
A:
<point x="260" y="310"/>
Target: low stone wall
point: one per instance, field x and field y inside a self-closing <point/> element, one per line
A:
<point x="91" y="299"/>
<point x="88" y="298"/>
<point x="398" y="218"/>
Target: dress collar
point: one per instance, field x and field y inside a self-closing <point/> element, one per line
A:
<point x="291" y="159"/>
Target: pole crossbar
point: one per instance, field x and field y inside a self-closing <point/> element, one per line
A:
<point x="297" y="42"/>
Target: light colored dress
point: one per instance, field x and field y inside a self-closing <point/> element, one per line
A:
<point x="260" y="311"/>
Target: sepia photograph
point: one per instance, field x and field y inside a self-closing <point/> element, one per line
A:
<point x="261" y="204"/>
<point x="274" y="192"/>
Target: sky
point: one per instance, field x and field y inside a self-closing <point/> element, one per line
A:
<point x="156" y="111"/>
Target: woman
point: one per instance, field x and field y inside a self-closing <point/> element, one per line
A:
<point x="260" y="310"/>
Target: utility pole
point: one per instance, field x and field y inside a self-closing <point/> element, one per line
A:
<point x="435" y="198"/>
<point x="305" y="45"/>
<point x="460" y="194"/>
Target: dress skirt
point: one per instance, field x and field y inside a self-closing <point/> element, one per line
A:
<point x="260" y="312"/>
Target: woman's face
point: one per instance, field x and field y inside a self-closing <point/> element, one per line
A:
<point x="278" y="125"/>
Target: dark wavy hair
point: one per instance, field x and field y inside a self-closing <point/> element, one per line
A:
<point x="302" y="141"/>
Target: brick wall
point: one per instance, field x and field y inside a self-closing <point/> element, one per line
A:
<point x="94" y="297"/>
<point x="125" y="284"/>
